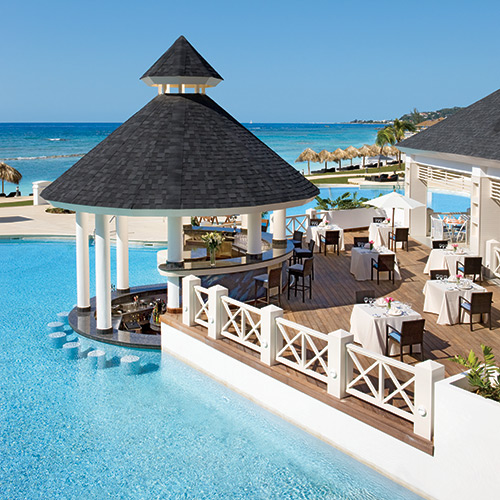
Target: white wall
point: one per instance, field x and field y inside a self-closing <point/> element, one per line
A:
<point x="467" y="442"/>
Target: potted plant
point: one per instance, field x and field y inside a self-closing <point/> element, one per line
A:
<point x="483" y="377"/>
<point x="213" y="241"/>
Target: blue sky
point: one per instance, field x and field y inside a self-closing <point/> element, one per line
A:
<point x="282" y="61"/>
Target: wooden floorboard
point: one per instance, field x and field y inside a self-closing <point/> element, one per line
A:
<point x="334" y="295"/>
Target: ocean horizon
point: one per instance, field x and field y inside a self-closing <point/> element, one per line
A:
<point x="45" y="150"/>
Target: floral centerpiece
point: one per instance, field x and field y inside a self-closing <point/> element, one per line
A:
<point x="371" y="242"/>
<point x="455" y="246"/>
<point x="213" y="241"/>
<point x="388" y="220"/>
<point x="459" y="276"/>
<point x="389" y="301"/>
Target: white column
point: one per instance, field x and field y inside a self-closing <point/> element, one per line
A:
<point x="175" y="249"/>
<point x="417" y="190"/>
<point x="244" y="221"/>
<point x="279" y="227"/>
<point x="102" y="274"/>
<point x="122" y="268"/>
<point x="82" y="262"/>
<point x="254" y="236"/>
<point x="339" y="363"/>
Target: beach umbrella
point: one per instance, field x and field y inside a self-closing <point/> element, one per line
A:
<point x="9" y="174"/>
<point x="351" y="152"/>
<point x="394" y="200"/>
<point x="364" y="152"/>
<point x="338" y="155"/>
<point x="308" y="155"/>
<point x="325" y="156"/>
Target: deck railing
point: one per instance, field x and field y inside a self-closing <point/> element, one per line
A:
<point x="345" y="368"/>
<point x="243" y="323"/>
<point x="303" y="349"/>
<point x="296" y="223"/>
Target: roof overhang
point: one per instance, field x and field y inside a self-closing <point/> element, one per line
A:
<point x="153" y="81"/>
<point x="187" y="212"/>
<point x="459" y="159"/>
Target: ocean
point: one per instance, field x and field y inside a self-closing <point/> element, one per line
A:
<point x="43" y="151"/>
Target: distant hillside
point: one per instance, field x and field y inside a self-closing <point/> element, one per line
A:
<point x="419" y="116"/>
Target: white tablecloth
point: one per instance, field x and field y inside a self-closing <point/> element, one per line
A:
<point x="314" y="233"/>
<point x="445" y="259"/>
<point x="361" y="264"/>
<point x="379" y="233"/>
<point x="369" y="326"/>
<point x="441" y="298"/>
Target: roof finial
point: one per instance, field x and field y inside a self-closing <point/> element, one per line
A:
<point x="181" y="67"/>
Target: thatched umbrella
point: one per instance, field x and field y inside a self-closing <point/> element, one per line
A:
<point x="325" y="156"/>
<point x="9" y="174"/>
<point x="338" y="155"/>
<point x="364" y="152"/>
<point x="308" y="155"/>
<point x="351" y="152"/>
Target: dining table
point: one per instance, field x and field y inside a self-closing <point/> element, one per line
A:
<point x="442" y="297"/>
<point x="361" y="263"/>
<point x="316" y="232"/>
<point x="369" y="324"/>
<point x="445" y="258"/>
<point x="379" y="232"/>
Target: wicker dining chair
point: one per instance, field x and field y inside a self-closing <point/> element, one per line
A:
<point x="378" y="220"/>
<point x="410" y="334"/>
<point x="439" y="244"/>
<point x="400" y="235"/>
<point x="361" y="240"/>
<point x="385" y="263"/>
<point x="439" y="272"/>
<point x="479" y="303"/>
<point x="471" y="266"/>
<point x="315" y="222"/>
<point x="362" y="294"/>
<point x="297" y="239"/>
<point x="331" y="238"/>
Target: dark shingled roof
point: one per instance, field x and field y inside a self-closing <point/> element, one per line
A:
<point x="473" y="131"/>
<point x="180" y="151"/>
<point x="182" y="59"/>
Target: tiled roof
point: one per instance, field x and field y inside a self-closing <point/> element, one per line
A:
<point x="473" y="131"/>
<point x="182" y="59"/>
<point x="181" y="151"/>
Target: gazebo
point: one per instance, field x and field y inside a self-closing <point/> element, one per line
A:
<point x="181" y="155"/>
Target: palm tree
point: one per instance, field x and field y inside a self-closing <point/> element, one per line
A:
<point x="384" y="136"/>
<point x="399" y="128"/>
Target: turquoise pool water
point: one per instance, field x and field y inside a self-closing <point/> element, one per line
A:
<point x="67" y="431"/>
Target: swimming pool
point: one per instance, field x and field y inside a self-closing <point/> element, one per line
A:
<point x="67" y="431"/>
<point x="439" y="201"/>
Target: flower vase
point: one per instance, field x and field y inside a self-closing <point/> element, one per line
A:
<point x="388" y="306"/>
<point x="212" y="256"/>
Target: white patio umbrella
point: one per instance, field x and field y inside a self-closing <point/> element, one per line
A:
<point x="394" y="200"/>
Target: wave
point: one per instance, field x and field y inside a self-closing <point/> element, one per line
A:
<point x="57" y="139"/>
<point x="42" y="157"/>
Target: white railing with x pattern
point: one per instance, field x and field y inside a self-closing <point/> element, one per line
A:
<point x="201" y="296"/>
<point x="373" y="377"/>
<point x="303" y="349"/>
<point x="344" y="368"/>
<point x="296" y="223"/>
<point x="243" y="323"/>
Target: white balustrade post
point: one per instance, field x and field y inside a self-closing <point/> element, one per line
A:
<point x="82" y="262"/>
<point x="279" y="228"/>
<point x="311" y="214"/>
<point x="254" y="234"/>
<point x="339" y="363"/>
<point x="190" y="304"/>
<point x="122" y="268"/>
<point x="102" y="274"/>
<point x="426" y="375"/>
<point x="217" y="316"/>
<point x="271" y="341"/>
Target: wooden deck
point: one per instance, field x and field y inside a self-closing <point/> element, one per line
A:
<point x="330" y="309"/>
<point x="334" y="295"/>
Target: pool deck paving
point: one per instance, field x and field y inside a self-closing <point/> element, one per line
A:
<point x="34" y="221"/>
